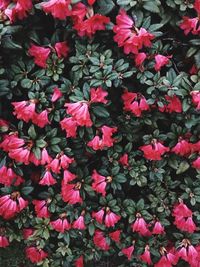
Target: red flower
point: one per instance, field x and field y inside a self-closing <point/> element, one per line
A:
<point x="27" y="232"/>
<point x="41" y="208"/>
<point x="57" y="94"/>
<point x="197" y="6"/>
<point x="140" y="58"/>
<point x="158" y="229"/>
<point x="154" y="151"/>
<point x="107" y="139"/>
<point x="80" y="113"/>
<point x="79" y="223"/>
<point x="35" y="255"/>
<point x="111" y="219"/>
<point x="19" y="11"/>
<point x="135" y="103"/>
<point x="12" y="204"/>
<point x="190" y="25"/>
<point x="4" y="126"/>
<point x="57" y="8"/>
<point x="161" y="61"/>
<point x="70" y="126"/>
<point x="71" y="193"/>
<point x="100" y="240"/>
<point x="146" y="256"/>
<point x="98" y="95"/>
<point x="41" y="119"/>
<point x="24" y="110"/>
<point x="196" y="99"/>
<point x="128" y="36"/>
<point x="115" y="236"/>
<point x="3" y="239"/>
<point x="174" y="105"/>
<point x="124" y="160"/>
<point x="62" y="49"/>
<point x="91" y="2"/>
<point x="40" y="55"/>
<point x="79" y="262"/>
<point x="79" y="12"/>
<point x="167" y="260"/>
<point x="182" y="148"/>
<point x="128" y="252"/>
<point x="98" y="216"/>
<point x="196" y="163"/>
<point x="47" y="179"/>
<point x="61" y="225"/>
<point x="99" y="184"/>
<point x="140" y="226"/>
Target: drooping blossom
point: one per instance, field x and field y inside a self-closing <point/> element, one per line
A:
<point x="11" y="141"/>
<point x="168" y="259"/>
<point x="158" y="229"/>
<point x="47" y="179"/>
<point x="54" y="165"/>
<point x="196" y="99"/>
<point x="115" y="236"/>
<point x="45" y="157"/>
<point x="61" y="225"/>
<point x="140" y="226"/>
<point x="80" y="113"/>
<point x="62" y="49"/>
<point x="79" y="223"/>
<point x="182" y="148"/>
<point x="68" y="177"/>
<point x="98" y="95"/>
<point x="57" y="8"/>
<point x="161" y="61"/>
<point x="20" y="155"/>
<point x="146" y="256"/>
<point x="57" y="94"/>
<point x="135" y="103"/>
<point x="187" y="252"/>
<point x="40" y="54"/>
<point x="190" y="25"/>
<point x="96" y="143"/>
<point x="11" y="205"/>
<point x="19" y="10"/>
<point x="8" y="177"/>
<point x="41" y="119"/>
<point x="139" y="59"/>
<point x="111" y="218"/>
<point x="71" y="193"/>
<point x="100" y="182"/>
<point x="128" y="36"/>
<point x="124" y="160"/>
<point x="99" y="215"/>
<point x="35" y="254"/>
<point x="79" y="12"/>
<point x="100" y="240"/>
<point x="128" y="252"/>
<point x="27" y="232"/>
<point x="4" y="242"/>
<point x="41" y="208"/>
<point x="65" y="161"/>
<point x="196" y="163"/>
<point x="70" y="126"/>
<point x="24" y="110"/>
<point x="173" y="105"/>
<point x="154" y="151"/>
<point x="79" y="262"/>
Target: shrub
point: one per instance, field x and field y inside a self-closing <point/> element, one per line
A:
<point x="100" y="131"/>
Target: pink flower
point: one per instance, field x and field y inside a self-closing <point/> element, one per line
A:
<point x="197" y="6"/>
<point x="57" y="94"/>
<point x="124" y="160"/>
<point x="99" y="184"/>
<point x="115" y="236"/>
<point x="70" y="126"/>
<point x="40" y="55"/>
<point x="41" y="208"/>
<point x="174" y="105"/>
<point x="154" y="151"/>
<point x="107" y="139"/>
<point x="19" y="11"/>
<point x="47" y="179"/>
<point x="161" y="61"/>
<point x="45" y="158"/>
<point x="71" y="193"/>
<point x="196" y="99"/>
<point x="128" y="251"/>
<point x="146" y="256"/>
<point x="111" y="219"/>
<point x="128" y="36"/>
<point x="190" y="226"/>
<point x="96" y="143"/>
<point x="181" y="210"/>
<point x="54" y="165"/>
<point x="79" y="262"/>
<point x="158" y="229"/>
<point x="11" y="142"/>
<point x="79" y="223"/>
<point x="8" y="177"/>
<point x="100" y="240"/>
<point x="11" y="205"/>
<point x="62" y="49"/>
<point x="190" y="25"/>
<point x="41" y="119"/>
<point x="24" y="110"/>
<point x="140" y="226"/>
<point x="167" y="260"/>
<point x="80" y="113"/>
<point x="65" y="161"/>
<point x="182" y="148"/>
<point x="98" y="95"/>
<point x="27" y="232"/>
<point x="68" y="177"/>
<point x="35" y="255"/>
<point x="140" y="58"/>
<point x="3" y="241"/>
<point x="91" y="2"/>
<point x="4" y="126"/>
<point x="57" y="8"/>
<point x="196" y="163"/>
<point x="98" y="216"/>
<point x="79" y="12"/>
<point x="20" y="155"/>
<point x="61" y="225"/>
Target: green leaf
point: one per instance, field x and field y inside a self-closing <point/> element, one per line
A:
<point x="100" y="111"/>
<point x="32" y="132"/>
<point x="184" y="166"/>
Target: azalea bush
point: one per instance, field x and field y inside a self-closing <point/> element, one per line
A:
<point x="100" y="127"/>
